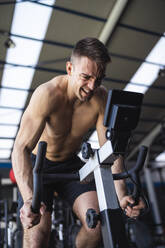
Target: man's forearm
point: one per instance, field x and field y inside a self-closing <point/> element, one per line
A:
<point x="121" y="189"/>
<point x="23" y="172"/>
<point x="120" y="185"/>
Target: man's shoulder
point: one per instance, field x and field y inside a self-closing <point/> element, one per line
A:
<point x="101" y="94"/>
<point x="53" y="87"/>
<point x="47" y="96"/>
<point x="100" y="98"/>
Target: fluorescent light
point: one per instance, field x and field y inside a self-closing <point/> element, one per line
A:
<point x="25" y="51"/>
<point x="10" y="116"/>
<point x="17" y="77"/>
<point x="13" y="98"/>
<point x="147" y="73"/>
<point x="160" y="157"/>
<point x="5" y="154"/>
<point x="6" y="144"/>
<point x="31" y="20"/>
<point x="5" y="131"/>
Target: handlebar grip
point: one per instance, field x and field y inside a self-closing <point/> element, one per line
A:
<point x="141" y="158"/>
<point x="135" y="174"/>
<point x="37" y="177"/>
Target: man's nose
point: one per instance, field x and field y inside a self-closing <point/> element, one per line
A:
<point x="91" y="84"/>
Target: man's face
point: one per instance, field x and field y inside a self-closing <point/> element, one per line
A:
<point x="85" y="77"/>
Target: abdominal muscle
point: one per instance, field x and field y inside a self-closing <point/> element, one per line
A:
<point x="60" y="147"/>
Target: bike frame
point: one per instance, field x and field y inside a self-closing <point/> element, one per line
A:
<point x="112" y="225"/>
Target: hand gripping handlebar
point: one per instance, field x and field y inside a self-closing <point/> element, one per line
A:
<point x="134" y="173"/>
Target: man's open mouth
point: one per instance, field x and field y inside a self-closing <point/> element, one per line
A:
<point x="85" y="91"/>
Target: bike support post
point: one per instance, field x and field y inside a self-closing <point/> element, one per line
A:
<point x="112" y="225"/>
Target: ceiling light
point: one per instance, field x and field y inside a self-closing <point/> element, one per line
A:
<point x="148" y="73"/>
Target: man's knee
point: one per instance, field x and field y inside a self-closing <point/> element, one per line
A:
<point x="36" y="238"/>
<point x="94" y="233"/>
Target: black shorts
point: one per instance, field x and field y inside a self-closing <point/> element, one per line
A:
<point x="67" y="190"/>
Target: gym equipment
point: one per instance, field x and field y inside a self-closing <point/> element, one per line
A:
<point x="37" y="177"/>
<point x="3" y="223"/>
<point x="65" y="225"/>
<point x="12" y="177"/>
<point x="121" y="117"/>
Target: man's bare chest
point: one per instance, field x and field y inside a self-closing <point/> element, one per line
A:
<point x="70" y="121"/>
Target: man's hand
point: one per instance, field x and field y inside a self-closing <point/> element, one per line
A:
<point x="132" y="212"/>
<point x="28" y="218"/>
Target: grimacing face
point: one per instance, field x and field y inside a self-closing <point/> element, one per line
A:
<point x="85" y="77"/>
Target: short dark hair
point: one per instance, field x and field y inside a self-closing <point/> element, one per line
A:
<point x="94" y="50"/>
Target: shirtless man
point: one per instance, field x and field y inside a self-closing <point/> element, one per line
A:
<point x="61" y="112"/>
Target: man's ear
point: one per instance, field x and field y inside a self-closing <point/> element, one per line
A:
<point x="69" y="67"/>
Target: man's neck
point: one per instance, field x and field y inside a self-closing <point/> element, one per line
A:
<point x="72" y="98"/>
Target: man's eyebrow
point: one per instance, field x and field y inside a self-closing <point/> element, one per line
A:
<point x="97" y="78"/>
<point x="85" y="74"/>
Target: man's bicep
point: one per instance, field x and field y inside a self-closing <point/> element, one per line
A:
<point x="101" y="130"/>
<point x="31" y="128"/>
<point x="34" y="119"/>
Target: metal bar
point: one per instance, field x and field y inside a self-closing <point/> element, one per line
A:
<point x="125" y="82"/>
<point x="6" y="222"/>
<point x="34" y="67"/>
<point x="14" y="108"/>
<point x="105" y="189"/>
<point x="7" y="138"/>
<point x="52" y="70"/>
<point x="150" y="120"/>
<point x="13" y="88"/>
<point x="147" y="141"/>
<point x="69" y="46"/>
<point x="49" y="42"/>
<point x="122" y="56"/>
<point x="73" y="12"/>
<point x="93" y="162"/>
<point x="107" y="198"/>
<point x="9" y="124"/>
<point x="4" y="148"/>
<point x="153" y="199"/>
<point x="142" y="30"/>
<point x="15" y="2"/>
<point x="141" y="132"/>
<point x="152" y="105"/>
<point x="112" y="20"/>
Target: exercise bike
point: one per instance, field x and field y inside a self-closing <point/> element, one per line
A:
<point x="121" y="117"/>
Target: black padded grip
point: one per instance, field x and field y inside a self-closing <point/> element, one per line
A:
<point x="135" y="174"/>
<point x="141" y="158"/>
<point x="37" y="177"/>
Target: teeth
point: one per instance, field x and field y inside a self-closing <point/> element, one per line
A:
<point x="86" y="91"/>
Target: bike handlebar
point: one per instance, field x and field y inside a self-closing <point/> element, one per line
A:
<point x="138" y="166"/>
<point x="38" y="177"/>
<point x="134" y="174"/>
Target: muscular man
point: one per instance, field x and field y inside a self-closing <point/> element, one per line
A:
<point x="61" y="112"/>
